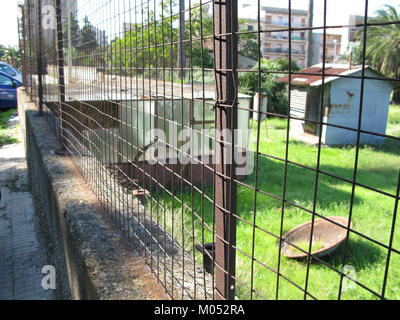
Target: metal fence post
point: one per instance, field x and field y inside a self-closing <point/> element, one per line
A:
<point x="39" y="58"/>
<point x="60" y="58"/>
<point x="29" y="5"/>
<point x="226" y="59"/>
<point x="181" y="44"/>
<point x="22" y="42"/>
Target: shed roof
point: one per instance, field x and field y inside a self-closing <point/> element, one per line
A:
<point x="313" y="75"/>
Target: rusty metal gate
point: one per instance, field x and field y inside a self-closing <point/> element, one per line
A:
<point x="235" y="145"/>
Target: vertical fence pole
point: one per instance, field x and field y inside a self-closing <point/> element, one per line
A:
<point x="226" y="53"/>
<point x="39" y="58"/>
<point x="181" y="44"/>
<point x="30" y="71"/>
<point x="22" y="43"/>
<point x="60" y="58"/>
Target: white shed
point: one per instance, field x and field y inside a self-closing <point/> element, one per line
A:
<point x="341" y="105"/>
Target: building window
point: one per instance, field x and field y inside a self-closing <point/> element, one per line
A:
<point x="250" y="28"/>
<point x="280" y="20"/>
<point x="268" y="19"/>
<point x="303" y="22"/>
<point x="302" y="35"/>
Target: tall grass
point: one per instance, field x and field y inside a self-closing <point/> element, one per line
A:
<point x="372" y="215"/>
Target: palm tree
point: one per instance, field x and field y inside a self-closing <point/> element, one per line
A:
<point x="383" y="44"/>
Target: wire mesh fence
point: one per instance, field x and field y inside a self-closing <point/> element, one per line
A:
<point x="235" y="173"/>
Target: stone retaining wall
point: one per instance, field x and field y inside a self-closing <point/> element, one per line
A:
<point x="91" y="260"/>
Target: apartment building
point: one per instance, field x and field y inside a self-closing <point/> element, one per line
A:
<point x="355" y="23"/>
<point x="274" y="27"/>
<point x="333" y="46"/>
<point x="276" y="40"/>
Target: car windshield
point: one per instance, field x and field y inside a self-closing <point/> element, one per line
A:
<point x="8" y="70"/>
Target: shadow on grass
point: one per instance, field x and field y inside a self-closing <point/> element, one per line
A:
<point x="300" y="188"/>
<point x="361" y="254"/>
<point x="390" y="146"/>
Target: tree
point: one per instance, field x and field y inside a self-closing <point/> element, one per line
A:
<point x="383" y="44"/>
<point x="75" y="32"/>
<point x="88" y="38"/>
<point x="146" y="46"/>
<point x="3" y="51"/>
<point x="12" y="56"/>
<point x="275" y="91"/>
<point x="199" y="25"/>
<point x="248" y="42"/>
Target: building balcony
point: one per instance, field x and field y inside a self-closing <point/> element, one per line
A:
<point x="296" y="38"/>
<point x="284" y="38"/>
<point x="284" y="24"/>
<point x="284" y="50"/>
<point x="276" y="38"/>
<point x="332" y="43"/>
<point x="299" y="52"/>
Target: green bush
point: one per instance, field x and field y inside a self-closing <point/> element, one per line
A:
<point x="276" y="91"/>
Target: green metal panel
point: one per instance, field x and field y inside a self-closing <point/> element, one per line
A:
<point x="102" y="144"/>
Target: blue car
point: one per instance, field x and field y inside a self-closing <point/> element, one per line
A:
<point x="8" y="91"/>
<point x="7" y="69"/>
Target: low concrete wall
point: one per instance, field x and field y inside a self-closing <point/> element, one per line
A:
<point x="91" y="260"/>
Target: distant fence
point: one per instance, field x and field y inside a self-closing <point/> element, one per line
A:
<point x="156" y="103"/>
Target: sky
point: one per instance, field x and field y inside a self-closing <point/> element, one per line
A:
<point x="338" y="12"/>
<point x="8" y="23"/>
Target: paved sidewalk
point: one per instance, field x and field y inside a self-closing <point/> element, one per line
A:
<point x="21" y="257"/>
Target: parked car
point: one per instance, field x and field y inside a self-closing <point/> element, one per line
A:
<point x="8" y="91"/>
<point x="7" y="69"/>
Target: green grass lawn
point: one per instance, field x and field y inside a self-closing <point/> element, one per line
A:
<point x="7" y="135"/>
<point x="372" y="215"/>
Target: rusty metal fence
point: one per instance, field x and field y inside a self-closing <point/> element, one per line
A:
<point x="207" y="152"/>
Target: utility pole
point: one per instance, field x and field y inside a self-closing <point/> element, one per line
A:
<point x="181" y="45"/>
<point x="309" y="47"/>
<point x="334" y="50"/>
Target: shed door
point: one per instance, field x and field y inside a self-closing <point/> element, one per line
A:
<point x="313" y="104"/>
<point x="298" y="97"/>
